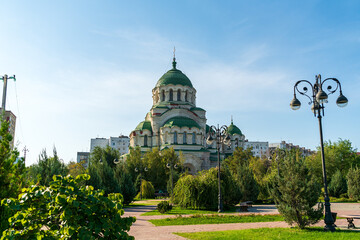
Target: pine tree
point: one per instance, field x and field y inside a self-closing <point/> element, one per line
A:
<point x="296" y="192"/>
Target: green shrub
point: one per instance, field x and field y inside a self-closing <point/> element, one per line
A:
<point x="337" y="185"/>
<point x="66" y="211"/>
<point x="295" y="191"/>
<point x="353" y="182"/>
<point x="164" y="207"/>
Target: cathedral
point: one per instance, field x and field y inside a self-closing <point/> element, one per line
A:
<point x="174" y="121"/>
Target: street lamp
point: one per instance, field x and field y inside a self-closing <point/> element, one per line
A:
<point x="218" y="134"/>
<point x="171" y="166"/>
<point x="317" y="98"/>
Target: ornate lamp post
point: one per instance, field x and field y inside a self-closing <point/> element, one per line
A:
<point x="171" y="166"/>
<point x="218" y="134"/>
<point x="318" y="97"/>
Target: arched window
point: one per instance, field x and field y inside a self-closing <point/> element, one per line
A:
<point x="162" y="95"/>
<point x="194" y="138"/>
<point x="186" y="96"/>
<point x="175" y="137"/>
<point x="171" y="95"/>
<point x="145" y="141"/>
<point x="184" y="138"/>
<point x="179" y="95"/>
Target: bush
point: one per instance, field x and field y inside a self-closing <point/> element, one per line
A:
<point x="201" y="191"/>
<point x="66" y="211"/>
<point x="353" y="182"/>
<point x="164" y="207"/>
<point x="295" y="191"/>
<point x="337" y="185"/>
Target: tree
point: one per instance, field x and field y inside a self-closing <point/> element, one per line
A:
<point x="76" y="169"/>
<point x="201" y="191"/>
<point x="296" y="192"/>
<point x="339" y="155"/>
<point x="239" y="166"/>
<point x="66" y="210"/>
<point x="337" y="185"/>
<point x="156" y="169"/>
<point x="133" y="161"/>
<point x="353" y="182"/>
<point x="46" y="168"/>
<point x="127" y="188"/>
<point x="110" y="174"/>
<point x="247" y="183"/>
<point x="12" y="171"/>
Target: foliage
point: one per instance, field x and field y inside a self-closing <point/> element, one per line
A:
<point x="67" y="211"/>
<point x="247" y="183"/>
<point x="76" y="169"/>
<point x="127" y="188"/>
<point x="155" y="162"/>
<point x="339" y="155"/>
<point x="201" y="191"/>
<point x="239" y="165"/>
<point x="239" y="157"/>
<point x="103" y="177"/>
<point x="262" y="169"/>
<point x="12" y="171"/>
<point x="133" y="161"/>
<point x="216" y="219"/>
<point x="46" y="168"/>
<point x="164" y="207"/>
<point x="108" y="176"/>
<point x="338" y="185"/>
<point x="295" y="191"/>
<point x="147" y="189"/>
<point x="353" y="182"/>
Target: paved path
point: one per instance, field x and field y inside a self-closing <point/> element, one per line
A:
<point x="142" y="229"/>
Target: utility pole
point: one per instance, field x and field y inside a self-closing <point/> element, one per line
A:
<point x="5" y="78"/>
<point x="25" y="150"/>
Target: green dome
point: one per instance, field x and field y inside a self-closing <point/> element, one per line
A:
<point x="232" y="130"/>
<point x="181" y="122"/>
<point x="175" y="77"/>
<point x="144" y="125"/>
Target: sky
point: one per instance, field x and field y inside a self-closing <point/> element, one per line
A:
<point x="85" y="69"/>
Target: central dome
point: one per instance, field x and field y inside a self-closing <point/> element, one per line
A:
<point x="174" y="77"/>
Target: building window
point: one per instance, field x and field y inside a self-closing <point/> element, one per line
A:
<point x="179" y="95"/>
<point x="194" y="138"/>
<point x="145" y="141"/>
<point x="171" y="95"/>
<point x="186" y="96"/>
<point x="175" y="137"/>
<point x="162" y="95"/>
<point x="184" y="138"/>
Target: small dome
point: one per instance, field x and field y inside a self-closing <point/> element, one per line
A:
<point x="175" y="77"/>
<point x="233" y="129"/>
<point x="144" y="125"/>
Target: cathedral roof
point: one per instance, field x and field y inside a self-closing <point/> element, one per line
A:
<point x="181" y="122"/>
<point x="233" y="129"/>
<point x="144" y="125"/>
<point x="174" y="77"/>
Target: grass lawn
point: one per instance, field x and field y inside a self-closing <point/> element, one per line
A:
<point x="273" y="233"/>
<point x="216" y="219"/>
<point x="180" y="211"/>
<point x="146" y="203"/>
